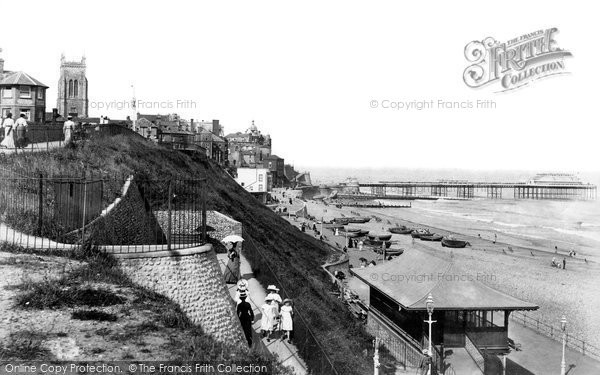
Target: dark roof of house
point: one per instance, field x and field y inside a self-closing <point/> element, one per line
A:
<point x="410" y="278"/>
<point x="273" y="157"/>
<point x="48" y="117"/>
<point x="19" y="78"/>
<point x="152" y="118"/>
<point x="237" y="135"/>
<point x="95" y="120"/>
<point x="213" y="136"/>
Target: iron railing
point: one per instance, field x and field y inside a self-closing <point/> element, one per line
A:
<point x="120" y="214"/>
<point x="555" y="332"/>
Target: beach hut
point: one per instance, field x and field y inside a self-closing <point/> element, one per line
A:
<point x="469" y="316"/>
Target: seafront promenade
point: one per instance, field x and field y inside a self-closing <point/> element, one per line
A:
<point x="539" y="354"/>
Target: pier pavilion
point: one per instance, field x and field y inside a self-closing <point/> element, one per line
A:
<point x="470" y="317"/>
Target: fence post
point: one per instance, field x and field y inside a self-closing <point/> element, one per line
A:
<point x="169" y="215"/>
<point x="40" y="203"/>
<point x="47" y="142"/>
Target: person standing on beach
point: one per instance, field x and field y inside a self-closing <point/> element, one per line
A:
<point x="246" y="315"/>
<point x="564" y="263"/>
<point x="495" y="237"/>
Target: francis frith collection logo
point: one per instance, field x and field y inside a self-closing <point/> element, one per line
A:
<point x="514" y="63"/>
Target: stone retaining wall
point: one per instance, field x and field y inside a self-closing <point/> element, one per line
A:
<point x="223" y="225"/>
<point x="191" y="278"/>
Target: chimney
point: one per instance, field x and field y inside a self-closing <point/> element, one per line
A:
<point x="192" y="128"/>
<point x="215" y="127"/>
<point x="1" y="66"/>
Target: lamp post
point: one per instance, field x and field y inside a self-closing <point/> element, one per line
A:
<point x="563" y="326"/>
<point x="429" y="305"/>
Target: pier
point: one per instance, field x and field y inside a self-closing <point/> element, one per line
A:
<point x="534" y="189"/>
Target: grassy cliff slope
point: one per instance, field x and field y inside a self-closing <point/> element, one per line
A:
<point x="293" y="256"/>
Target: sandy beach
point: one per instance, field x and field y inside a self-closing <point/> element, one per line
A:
<point x="523" y="272"/>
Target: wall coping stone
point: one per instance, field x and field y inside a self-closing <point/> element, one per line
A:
<point x="165" y="253"/>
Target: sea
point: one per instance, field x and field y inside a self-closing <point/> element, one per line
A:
<point x="566" y="224"/>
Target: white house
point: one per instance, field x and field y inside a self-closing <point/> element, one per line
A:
<point x="257" y="181"/>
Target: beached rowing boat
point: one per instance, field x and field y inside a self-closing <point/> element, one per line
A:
<point x="380" y="236"/>
<point x="390" y="252"/>
<point x="400" y="230"/>
<point x="359" y="220"/>
<point x="452" y="242"/>
<point x="376" y="243"/>
<point x="417" y="233"/>
<point x="431" y="237"/>
<point x="342" y="220"/>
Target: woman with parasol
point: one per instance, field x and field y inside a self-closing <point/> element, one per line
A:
<point x="232" y="270"/>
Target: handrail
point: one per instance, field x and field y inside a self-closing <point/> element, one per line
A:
<point x="554" y="332"/>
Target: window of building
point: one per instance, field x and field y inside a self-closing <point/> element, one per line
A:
<point x="76" y="89"/>
<point x="27" y="113"/>
<point x="7" y="92"/>
<point x="260" y="178"/>
<point x="260" y="187"/>
<point x="73" y="111"/>
<point x="70" y="88"/>
<point x="40" y="93"/>
<point x="25" y="92"/>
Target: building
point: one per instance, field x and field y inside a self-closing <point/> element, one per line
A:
<point x="216" y="146"/>
<point x="73" y="89"/>
<point x="276" y="166"/>
<point x="554" y="179"/>
<point x="248" y="149"/>
<point x="257" y="181"/>
<point x="21" y="93"/>
<point x="469" y="316"/>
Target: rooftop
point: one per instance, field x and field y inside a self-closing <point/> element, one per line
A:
<point x="19" y="78"/>
<point x="410" y="278"/>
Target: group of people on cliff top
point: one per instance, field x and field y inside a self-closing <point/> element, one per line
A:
<point x="276" y="314"/>
<point x="15" y="132"/>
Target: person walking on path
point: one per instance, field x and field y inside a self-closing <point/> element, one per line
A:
<point x="274" y="293"/>
<point x="242" y="289"/>
<point x="287" y="323"/>
<point x="564" y="263"/>
<point x="232" y="270"/>
<point x="268" y="318"/>
<point x="246" y="315"/>
<point x="425" y="362"/>
<point x="21" y="127"/>
<point x="68" y="128"/>
<point x="9" y="134"/>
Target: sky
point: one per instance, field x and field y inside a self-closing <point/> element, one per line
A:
<point x="308" y="72"/>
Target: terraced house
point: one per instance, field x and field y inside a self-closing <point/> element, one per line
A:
<point x="21" y="93"/>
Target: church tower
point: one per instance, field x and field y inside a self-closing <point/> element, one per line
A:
<point x="72" y="89"/>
